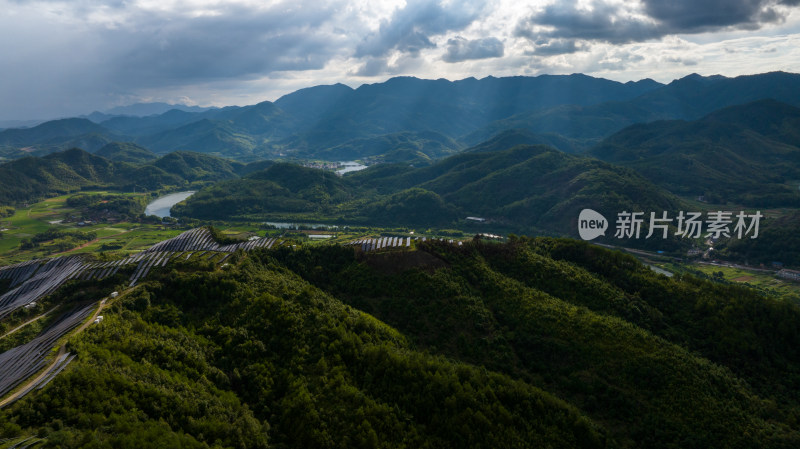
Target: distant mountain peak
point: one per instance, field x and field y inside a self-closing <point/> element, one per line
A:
<point x="697" y="78"/>
<point x="155" y="108"/>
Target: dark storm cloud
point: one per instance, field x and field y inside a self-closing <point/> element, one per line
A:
<point x="74" y="57"/>
<point x="692" y="16"/>
<point x="563" y="23"/>
<point x="239" y="43"/>
<point x="604" y="22"/>
<point x="460" y="49"/>
<point x="409" y="29"/>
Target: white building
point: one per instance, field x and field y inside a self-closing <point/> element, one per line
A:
<point x="789" y="274"/>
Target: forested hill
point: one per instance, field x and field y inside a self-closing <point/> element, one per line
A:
<point x="534" y="343"/>
<point x="526" y="186"/>
<point x="747" y="154"/>
<point x="32" y="178"/>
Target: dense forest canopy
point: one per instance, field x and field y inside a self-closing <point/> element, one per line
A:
<point x="537" y="342"/>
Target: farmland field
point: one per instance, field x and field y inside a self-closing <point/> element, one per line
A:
<point x="758" y="279"/>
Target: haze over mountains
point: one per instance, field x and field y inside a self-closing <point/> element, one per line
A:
<point x="634" y="146"/>
<point x="424" y="118"/>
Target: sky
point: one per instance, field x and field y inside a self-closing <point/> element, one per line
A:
<point x="67" y="58"/>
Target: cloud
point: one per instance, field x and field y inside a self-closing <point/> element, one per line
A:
<point x="97" y="53"/>
<point x="681" y="60"/>
<point x="69" y="57"/>
<point x="372" y="67"/>
<point x="560" y="25"/>
<point x="552" y="47"/>
<point x="409" y="29"/>
<point x="401" y="64"/>
<point x="460" y="49"/>
<point x="692" y="16"/>
<point x="603" y="22"/>
<point x="237" y="41"/>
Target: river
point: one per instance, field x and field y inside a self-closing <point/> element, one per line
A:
<point x="160" y="207"/>
<point x="350" y="166"/>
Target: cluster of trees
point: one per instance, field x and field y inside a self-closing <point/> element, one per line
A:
<point x="119" y="206"/>
<point x="254" y="356"/>
<point x="745" y="154"/>
<point x="57" y="240"/>
<point x="664" y="362"/>
<point x="778" y="241"/>
<point x="532" y="343"/>
<point x="280" y="189"/>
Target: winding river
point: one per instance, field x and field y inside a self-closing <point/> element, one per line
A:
<point x="160" y="207"/>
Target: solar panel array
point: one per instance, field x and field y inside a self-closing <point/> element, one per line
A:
<point x="36" y="279"/>
<point x="200" y="239"/>
<point x="373" y="244"/>
<point x="21" y="362"/>
<point x="382" y="242"/>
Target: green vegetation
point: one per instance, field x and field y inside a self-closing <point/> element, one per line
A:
<point x="126" y="152"/>
<point x="629" y="347"/>
<point x="33" y="178"/>
<point x="52" y="136"/>
<point x="524" y="188"/>
<point x="778" y="241"/>
<point x="282" y="188"/>
<point x="109" y="206"/>
<point x="763" y="280"/>
<point x="742" y="154"/>
<point x="62" y="215"/>
<point x="418" y="148"/>
<point x="57" y="240"/>
<point x="263" y="358"/>
<point x="535" y="343"/>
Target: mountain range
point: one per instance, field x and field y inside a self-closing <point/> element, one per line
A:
<point x="746" y="154"/>
<point x="740" y="156"/>
<point x="723" y="141"/>
<point x="572" y="112"/>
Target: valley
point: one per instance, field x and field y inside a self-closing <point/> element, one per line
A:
<point x="430" y="292"/>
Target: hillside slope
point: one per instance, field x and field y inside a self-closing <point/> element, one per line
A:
<point x="534" y="343"/>
<point x="744" y="154"/>
<point x="523" y="188"/>
<point x="33" y="178"/>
